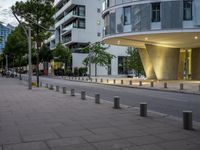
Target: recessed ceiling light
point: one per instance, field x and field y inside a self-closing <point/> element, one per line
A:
<point x="146" y="38"/>
<point x="196" y="37"/>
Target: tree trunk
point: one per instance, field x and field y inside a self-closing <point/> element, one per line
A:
<point x="95" y="69"/>
<point x="20" y="69"/>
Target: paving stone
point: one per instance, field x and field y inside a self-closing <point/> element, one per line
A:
<point x="60" y="143"/>
<point x="75" y="147"/>
<point x="100" y="137"/>
<point x="145" y="147"/>
<point x="114" y="144"/>
<point x="145" y="140"/>
<point x="75" y="133"/>
<point x="181" y="144"/>
<point x="27" y="146"/>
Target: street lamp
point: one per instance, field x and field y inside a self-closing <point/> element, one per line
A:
<point x="28" y="35"/>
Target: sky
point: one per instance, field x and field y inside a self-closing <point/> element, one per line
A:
<point x="5" y="11"/>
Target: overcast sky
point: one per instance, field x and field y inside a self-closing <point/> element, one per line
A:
<point x="5" y="11"/>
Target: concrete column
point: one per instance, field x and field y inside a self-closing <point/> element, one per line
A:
<point x="147" y="64"/>
<point x="196" y="64"/>
<point x="165" y="61"/>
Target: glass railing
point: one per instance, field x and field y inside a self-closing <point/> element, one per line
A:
<point x="68" y="28"/>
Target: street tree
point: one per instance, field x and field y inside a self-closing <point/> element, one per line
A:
<point x="16" y="45"/>
<point x="38" y="14"/>
<point x="62" y="54"/>
<point x="97" y="55"/>
<point x="134" y="61"/>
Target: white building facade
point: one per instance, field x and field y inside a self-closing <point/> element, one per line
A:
<point x="78" y="23"/>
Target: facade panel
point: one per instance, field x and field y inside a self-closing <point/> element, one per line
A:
<point x="172" y="15"/>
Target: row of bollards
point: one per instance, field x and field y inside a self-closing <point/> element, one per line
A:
<point x="187" y="115"/>
<point x="165" y="85"/>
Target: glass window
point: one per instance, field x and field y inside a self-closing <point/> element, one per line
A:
<point x="81" y="23"/>
<point x="187" y="10"/>
<point x="155" y="12"/>
<point x="127" y="15"/>
<point x="81" y="10"/>
<point x="122" y="64"/>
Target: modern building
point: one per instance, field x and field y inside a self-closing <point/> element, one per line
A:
<point x="167" y="33"/>
<point x="78" y="23"/>
<point x="4" y="32"/>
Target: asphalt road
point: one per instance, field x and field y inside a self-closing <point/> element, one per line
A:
<point x="164" y="102"/>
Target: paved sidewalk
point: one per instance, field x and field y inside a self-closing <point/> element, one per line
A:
<point x="47" y="120"/>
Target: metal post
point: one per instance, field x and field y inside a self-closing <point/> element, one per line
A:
<point x="83" y="95"/>
<point x="72" y="92"/>
<point x="165" y="85"/>
<point x="187" y="120"/>
<point x="64" y="90"/>
<point x="89" y="63"/>
<point x="181" y="86"/>
<point x="116" y="102"/>
<point x="143" y="109"/>
<point x="97" y="98"/>
<point x="152" y="84"/>
<point x="122" y="81"/>
<point x="29" y="60"/>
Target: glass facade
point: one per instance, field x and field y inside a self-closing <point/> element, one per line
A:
<point x="140" y="17"/>
<point x="4" y="33"/>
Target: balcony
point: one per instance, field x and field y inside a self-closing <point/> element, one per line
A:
<point x="69" y="5"/>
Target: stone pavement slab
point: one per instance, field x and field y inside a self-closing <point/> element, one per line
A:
<point x="41" y="119"/>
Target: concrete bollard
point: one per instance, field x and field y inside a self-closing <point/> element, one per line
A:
<point x="114" y="81"/>
<point x="187" y="120"/>
<point x="78" y="78"/>
<point x="82" y="78"/>
<point x="165" y="85"/>
<point x="40" y="84"/>
<point x="51" y="87"/>
<point x="122" y="81"/>
<point x="83" y="95"/>
<point x="101" y="80"/>
<point x="181" y="86"/>
<point x="140" y="83"/>
<point x="152" y="84"/>
<point x="116" y="102"/>
<point x="46" y="85"/>
<point x="96" y="80"/>
<point x="86" y="79"/>
<point x="57" y="88"/>
<point x="143" y="109"/>
<point x="64" y="90"/>
<point x="199" y="88"/>
<point x="107" y="80"/>
<point x="130" y="82"/>
<point x="72" y="92"/>
<point x="97" y="98"/>
<point x="91" y="80"/>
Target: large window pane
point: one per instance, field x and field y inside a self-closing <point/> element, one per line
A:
<point x="187" y="10"/>
<point x="155" y="12"/>
<point x="127" y="15"/>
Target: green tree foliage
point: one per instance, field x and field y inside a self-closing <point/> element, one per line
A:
<point x="97" y="55"/>
<point x="62" y="54"/>
<point x="134" y="61"/>
<point x="45" y="54"/>
<point x="16" y="45"/>
<point x="38" y="14"/>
